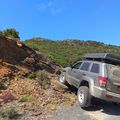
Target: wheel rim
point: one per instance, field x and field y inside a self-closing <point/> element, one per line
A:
<point x="81" y="97"/>
<point x="62" y="79"/>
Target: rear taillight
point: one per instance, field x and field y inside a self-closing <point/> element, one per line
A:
<point x="118" y="88"/>
<point x="102" y="81"/>
<point x="109" y="96"/>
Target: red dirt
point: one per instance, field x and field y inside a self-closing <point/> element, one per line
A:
<point x="17" y="57"/>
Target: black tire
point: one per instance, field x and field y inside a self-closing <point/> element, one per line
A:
<point x="84" y="97"/>
<point x="115" y="103"/>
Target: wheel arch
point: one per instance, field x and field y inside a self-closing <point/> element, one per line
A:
<point x="84" y="83"/>
<point x="88" y="83"/>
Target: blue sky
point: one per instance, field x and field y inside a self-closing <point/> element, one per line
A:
<point x="61" y="19"/>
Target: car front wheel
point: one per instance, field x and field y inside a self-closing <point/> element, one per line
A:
<point x="62" y="78"/>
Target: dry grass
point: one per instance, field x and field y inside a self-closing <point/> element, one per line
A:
<point x="43" y="101"/>
<point x="69" y="97"/>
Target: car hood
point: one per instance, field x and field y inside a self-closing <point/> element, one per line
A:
<point x="66" y="68"/>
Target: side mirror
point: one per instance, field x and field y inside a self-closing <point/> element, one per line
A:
<point x="71" y="65"/>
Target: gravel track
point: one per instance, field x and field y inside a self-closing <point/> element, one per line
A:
<point x="103" y="111"/>
<point x="99" y="111"/>
<point x="72" y="113"/>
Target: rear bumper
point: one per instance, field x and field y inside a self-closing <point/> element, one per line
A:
<point x="102" y="93"/>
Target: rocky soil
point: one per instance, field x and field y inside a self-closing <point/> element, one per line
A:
<point x="40" y="103"/>
<point x="23" y="95"/>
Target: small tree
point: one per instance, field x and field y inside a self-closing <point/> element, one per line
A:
<point x="43" y="79"/>
<point x="1" y="33"/>
<point x="11" y="33"/>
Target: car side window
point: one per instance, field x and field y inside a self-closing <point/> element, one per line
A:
<point x="95" y="68"/>
<point x="77" y="66"/>
<point x="85" y="66"/>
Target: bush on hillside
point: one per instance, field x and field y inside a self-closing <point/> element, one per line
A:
<point x="32" y="75"/>
<point x="9" y="112"/>
<point x="43" y="79"/>
<point x="10" y="33"/>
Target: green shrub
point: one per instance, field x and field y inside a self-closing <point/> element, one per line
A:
<point x="43" y="79"/>
<point x="9" y="112"/>
<point x="10" y="33"/>
<point x="34" y="46"/>
<point x="24" y="99"/>
<point x="32" y="75"/>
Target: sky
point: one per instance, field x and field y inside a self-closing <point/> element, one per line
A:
<point x="97" y="20"/>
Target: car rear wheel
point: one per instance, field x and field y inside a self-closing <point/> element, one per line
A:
<point x="84" y="97"/>
<point x="115" y="103"/>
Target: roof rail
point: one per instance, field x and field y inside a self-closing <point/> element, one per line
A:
<point x="103" y="57"/>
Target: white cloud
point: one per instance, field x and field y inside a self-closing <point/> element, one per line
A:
<point x="45" y="6"/>
<point x="49" y="6"/>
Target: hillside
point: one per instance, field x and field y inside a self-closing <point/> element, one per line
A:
<point x="28" y="83"/>
<point x="28" y="75"/>
<point x="68" y="51"/>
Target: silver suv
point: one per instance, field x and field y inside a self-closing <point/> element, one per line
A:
<point x="97" y="76"/>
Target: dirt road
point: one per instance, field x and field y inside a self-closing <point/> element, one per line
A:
<point x="103" y="111"/>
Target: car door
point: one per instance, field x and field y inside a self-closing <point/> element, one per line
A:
<point x="74" y="74"/>
<point x="94" y="72"/>
<point x="84" y="69"/>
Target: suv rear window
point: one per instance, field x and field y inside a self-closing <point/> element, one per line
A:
<point x="95" y="68"/>
<point x="85" y="66"/>
<point x="114" y="72"/>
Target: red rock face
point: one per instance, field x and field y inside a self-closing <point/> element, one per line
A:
<point x="18" y="54"/>
<point x="13" y="52"/>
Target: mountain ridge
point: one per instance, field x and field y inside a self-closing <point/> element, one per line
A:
<point x="68" y="51"/>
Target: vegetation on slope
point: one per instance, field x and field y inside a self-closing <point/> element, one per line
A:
<point x="28" y="83"/>
<point x="69" y="51"/>
<point x="10" y="33"/>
